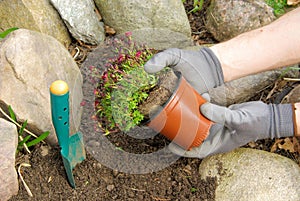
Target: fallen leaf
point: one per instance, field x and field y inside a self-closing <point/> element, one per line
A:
<point x="109" y="30"/>
<point x="287" y="145"/>
<point x="296" y="143"/>
<point x="275" y="145"/>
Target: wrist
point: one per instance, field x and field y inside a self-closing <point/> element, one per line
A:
<point x="296" y="108"/>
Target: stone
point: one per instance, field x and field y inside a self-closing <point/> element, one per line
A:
<point x="29" y="62"/>
<point x="34" y="15"/>
<point x="249" y="174"/>
<point x="227" y="19"/>
<point x="8" y="146"/>
<point x="293" y="96"/>
<point x="158" y="17"/>
<point x="161" y="38"/>
<point x="243" y="89"/>
<point x="81" y="20"/>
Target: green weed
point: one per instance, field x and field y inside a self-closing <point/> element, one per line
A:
<point x="6" y="32"/>
<point x="278" y="6"/>
<point x="26" y="139"/>
<point x="198" y="5"/>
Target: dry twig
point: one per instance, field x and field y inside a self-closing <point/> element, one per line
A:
<point x="22" y="179"/>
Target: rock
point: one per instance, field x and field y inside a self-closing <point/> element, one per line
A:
<point x="161" y="38"/>
<point x="226" y="19"/>
<point x="241" y="90"/>
<point x="29" y="63"/>
<point x="110" y="187"/>
<point x="81" y="20"/>
<point x="34" y="15"/>
<point x="8" y="146"/>
<point x="152" y="19"/>
<point x="248" y="174"/>
<point x="293" y="96"/>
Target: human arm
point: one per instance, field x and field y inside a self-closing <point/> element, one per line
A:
<point x="270" y="47"/>
<point x="273" y="46"/>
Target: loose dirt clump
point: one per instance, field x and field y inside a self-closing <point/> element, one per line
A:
<point x="160" y="94"/>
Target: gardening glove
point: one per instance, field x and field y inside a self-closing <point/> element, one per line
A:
<point x="239" y="124"/>
<point x="200" y="68"/>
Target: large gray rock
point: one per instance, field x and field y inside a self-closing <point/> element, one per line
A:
<point x="245" y="88"/>
<point x="34" y="15"/>
<point x="159" y="17"/>
<point x="81" y="20"/>
<point x="226" y="19"/>
<point x="160" y="39"/>
<point x="8" y="146"/>
<point x="248" y="174"/>
<point x="29" y="63"/>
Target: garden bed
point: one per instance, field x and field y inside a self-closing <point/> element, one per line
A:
<point x="180" y="181"/>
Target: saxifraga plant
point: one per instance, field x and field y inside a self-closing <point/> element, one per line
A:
<point x="123" y="86"/>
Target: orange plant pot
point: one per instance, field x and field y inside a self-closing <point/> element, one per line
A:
<point x="180" y="119"/>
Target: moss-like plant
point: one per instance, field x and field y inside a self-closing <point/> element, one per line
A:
<point x="123" y="86"/>
<point x="278" y="6"/>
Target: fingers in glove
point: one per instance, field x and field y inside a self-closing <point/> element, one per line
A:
<point x="169" y="57"/>
<point x="176" y="149"/>
<point x="214" y="112"/>
<point x="206" y="96"/>
<point x="211" y="145"/>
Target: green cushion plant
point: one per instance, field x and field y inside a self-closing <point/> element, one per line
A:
<point x="123" y="86"/>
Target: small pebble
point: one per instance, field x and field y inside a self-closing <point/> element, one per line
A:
<point x="45" y="150"/>
<point x="110" y="187"/>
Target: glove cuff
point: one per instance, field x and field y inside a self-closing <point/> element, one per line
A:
<point x="213" y="59"/>
<point x="296" y="119"/>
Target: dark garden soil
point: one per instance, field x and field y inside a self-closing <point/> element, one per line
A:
<point x="47" y="179"/>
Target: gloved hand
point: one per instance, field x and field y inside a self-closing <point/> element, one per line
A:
<point x="200" y="68"/>
<point x="239" y="124"/>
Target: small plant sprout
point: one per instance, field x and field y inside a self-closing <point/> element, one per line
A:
<point x="198" y="5"/>
<point x="25" y="136"/>
<point x="6" y="32"/>
<point x="123" y="86"/>
<point x="193" y="190"/>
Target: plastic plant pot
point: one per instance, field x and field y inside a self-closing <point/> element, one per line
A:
<point x="180" y="119"/>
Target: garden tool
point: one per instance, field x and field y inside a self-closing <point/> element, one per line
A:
<point x="72" y="147"/>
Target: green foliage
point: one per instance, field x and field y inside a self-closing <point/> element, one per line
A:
<point x="6" y="32"/>
<point x="287" y="70"/>
<point x="198" y="5"/>
<point x="25" y="140"/>
<point x="123" y="86"/>
<point x="278" y="6"/>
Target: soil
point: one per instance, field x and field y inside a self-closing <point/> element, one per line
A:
<point x="160" y="94"/>
<point x="47" y="179"/>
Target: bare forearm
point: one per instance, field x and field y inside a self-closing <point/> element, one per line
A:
<point x="272" y="46"/>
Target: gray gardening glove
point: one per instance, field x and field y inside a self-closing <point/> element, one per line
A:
<point x="201" y="68"/>
<point x="239" y="124"/>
